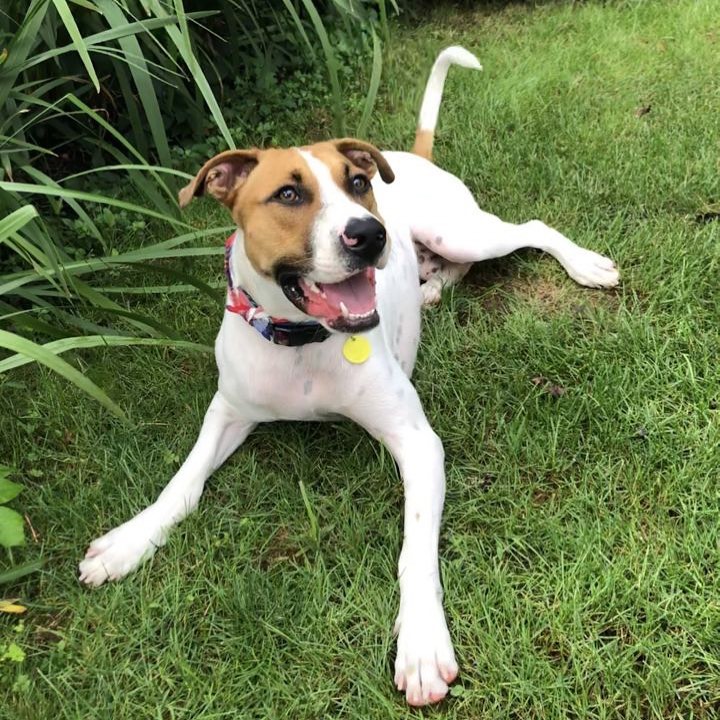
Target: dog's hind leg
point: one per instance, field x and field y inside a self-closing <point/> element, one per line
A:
<point x="475" y="236"/>
<point x="446" y="221"/>
<point x="120" y="551"/>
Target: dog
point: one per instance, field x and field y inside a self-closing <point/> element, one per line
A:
<point x="337" y="248"/>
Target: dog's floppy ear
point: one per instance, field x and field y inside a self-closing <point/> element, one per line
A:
<point x="221" y="176"/>
<point x="366" y="156"/>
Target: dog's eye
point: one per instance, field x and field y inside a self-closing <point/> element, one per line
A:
<point x="288" y="195"/>
<point x="359" y="185"/>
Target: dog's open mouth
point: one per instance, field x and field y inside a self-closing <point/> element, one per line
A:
<point x="347" y="306"/>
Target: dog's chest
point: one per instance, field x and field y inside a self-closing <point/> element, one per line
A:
<point x="316" y="381"/>
<point x="268" y="382"/>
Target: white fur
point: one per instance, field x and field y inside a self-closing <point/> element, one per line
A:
<point x="336" y="209"/>
<point x="434" y="89"/>
<point x="315" y="382"/>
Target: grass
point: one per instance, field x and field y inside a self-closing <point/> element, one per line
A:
<point x="580" y="542"/>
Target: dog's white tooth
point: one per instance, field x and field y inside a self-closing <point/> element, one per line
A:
<point x="343" y="309"/>
<point x="313" y="286"/>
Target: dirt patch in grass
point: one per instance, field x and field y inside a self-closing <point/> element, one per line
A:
<point x="499" y="283"/>
<point x="280" y="549"/>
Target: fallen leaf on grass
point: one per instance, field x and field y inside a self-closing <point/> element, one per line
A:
<point x="10" y="606"/>
<point x="550" y="388"/>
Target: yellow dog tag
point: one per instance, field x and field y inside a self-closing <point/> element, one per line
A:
<point x="356" y="349"/>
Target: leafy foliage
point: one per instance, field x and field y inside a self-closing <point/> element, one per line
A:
<point x="110" y="85"/>
<point x="11" y="522"/>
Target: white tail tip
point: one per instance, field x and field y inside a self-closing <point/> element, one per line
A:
<point x="460" y="56"/>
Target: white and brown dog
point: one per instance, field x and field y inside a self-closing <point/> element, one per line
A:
<point x="328" y="270"/>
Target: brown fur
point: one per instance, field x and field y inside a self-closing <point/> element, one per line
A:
<point x="274" y="233"/>
<point x="356" y="149"/>
<point x="337" y="163"/>
<point x="221" y="176"/>
<point x="424" y="143"/>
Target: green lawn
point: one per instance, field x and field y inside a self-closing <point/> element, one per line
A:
<point x="580" y="546"/>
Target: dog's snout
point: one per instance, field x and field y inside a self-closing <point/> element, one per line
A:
<point x="364" y="237"/>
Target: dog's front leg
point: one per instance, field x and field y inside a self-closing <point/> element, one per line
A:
<point x="425" y="661"/>
<point x="120" y="551"/>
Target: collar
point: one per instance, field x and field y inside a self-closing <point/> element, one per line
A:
<point x="276" y="330"/>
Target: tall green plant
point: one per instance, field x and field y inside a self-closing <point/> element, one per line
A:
<point x="41" y="296"/>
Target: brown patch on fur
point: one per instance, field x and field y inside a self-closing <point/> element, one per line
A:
<point x="341" y="168"/>
<point x="246" y="181"/>
<point x="221" y="176"/>
<point x="276" y="233"/>
<point x="423" y="143"/>
<point x="366" y="156"/>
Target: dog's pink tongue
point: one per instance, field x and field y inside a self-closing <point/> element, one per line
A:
<point x="357" y="292"/>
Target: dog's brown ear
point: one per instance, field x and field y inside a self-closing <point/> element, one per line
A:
<point x="366" y="156"/>
<point x="221" y="176"/>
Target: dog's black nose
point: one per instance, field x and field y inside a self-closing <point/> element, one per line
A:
<point x="364" y="237"/>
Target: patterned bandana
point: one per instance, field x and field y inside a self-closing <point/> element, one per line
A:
<point x="277" y="330"/>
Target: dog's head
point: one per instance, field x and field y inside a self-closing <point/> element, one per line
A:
<point x="309" y="223"/>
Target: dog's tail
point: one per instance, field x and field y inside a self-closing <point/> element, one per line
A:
<point x="433" y="95"/>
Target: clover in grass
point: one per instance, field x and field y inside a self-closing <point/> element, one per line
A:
<point x="12" y="531"/>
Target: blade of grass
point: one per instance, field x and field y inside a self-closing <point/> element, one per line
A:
<point x="373" y="87"/>
<point x="22" y="44"/>
<point x="16" y="573"/>
<point x="83" y="342"/>
<point x="154" y="289"/>
<point x="331" y="65"/>
<point x="314" y="526"/>
<point x="66" y="15"/>
<point x="146" y="91"/>
<point x="298" y="23"/>
<point x="17" y="344"/>
<point x="141" y="27"/>
<point x="181" y="39"/>
<point x="159" y="251"/>
<point x="16" y="220"/>
<point x="123" y="141"/>
<point x="77" y="208"/>
<point x="64" y="193"/>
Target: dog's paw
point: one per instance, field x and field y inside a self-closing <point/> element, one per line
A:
<point x="431" y="292"/>
<point x="115" y="554"/>
<point x="591" y="269"/>
<point x="425" y="664"/>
